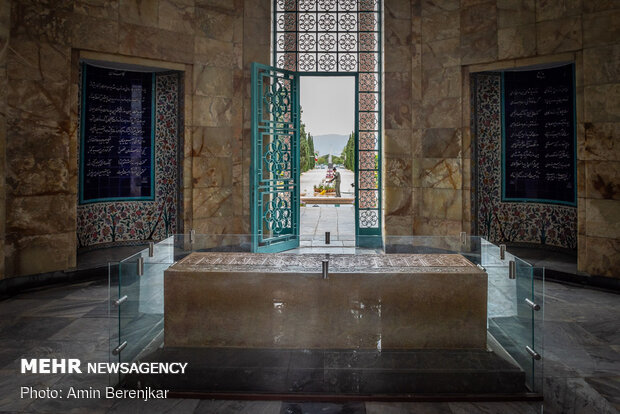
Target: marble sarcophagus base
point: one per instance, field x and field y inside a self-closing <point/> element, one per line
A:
<point x="393" y="301"/>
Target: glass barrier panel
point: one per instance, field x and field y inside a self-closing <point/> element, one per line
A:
<point x="113" y="317"/>
<point x="358" y="313"/>
<point x="539" y="321"/>
<point x="140" y="315"/>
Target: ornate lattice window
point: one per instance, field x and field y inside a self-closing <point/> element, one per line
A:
<point x="341" y="36"/>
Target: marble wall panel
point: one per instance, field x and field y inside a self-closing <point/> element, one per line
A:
<point x="211" y="52"/>
<point x="602" y="256"/>
<point x="441" y="203"/>
<point x="397" y="142"/>
<point x="5" y="25"/>
<point x="581" y="216"/>
<point x="599" y="5"/>
<point x="93" y="33"/>
<point x="479" y="47"/>
<point x="255" y="9"/>
<point x="439" y="83"/>
<point x="398" y="59"/>
<point x="602" y="103"/>
<point x="135" y="40"/>
<point x="212" y="142"/>
<point x="429" y="7"/>
<point x="397" y="114"/>
<point x="39" y="61"/>
<point x="441" y="54"/>
<point x="212" y="202"/>
<point x="603" y="218"/>
<point x="49" y="22"/>
<point x="399" y="225"/>
<point x="601" y="65"/>
<point x="478" y="17"/>
<point x="254" y="32"/>
<point x="213" y="81"/>
<point x="397" y="9"/>
<point x="601" y="28"/>
<point x="45" y="103"/>
<point x="217" y="24"/>
<point x="515" y="13"/>
<point x="29" y="176"/>
<point x="176" y="15"/>
<point x="557" y="9"/>
<point x="211" y="172"/>
<point x="212" y="111"/>
<point x="556" y="36"/>
<point x="107" y="9"/>
<point x="398" y="32"/>
<point x="437" y="227"/>
<point x="445" y="113"/>
<point x="602" y="141"/>
<point x="145" y="13"/>
<point x="175" y="46"/>
<point x="516" y="42"/>
<point x="398" y="201"/>
<point x="397" y="171"/>
<point x="440" y="173"/>
<point x="603" y="179"/>
<point x="440" y="26"/>
<point x="42" y="253"/>
<point x="45" y="214"/>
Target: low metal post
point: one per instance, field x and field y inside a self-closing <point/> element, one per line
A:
<point x="325" y="268"/>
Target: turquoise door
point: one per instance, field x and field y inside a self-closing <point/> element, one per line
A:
<point x="274" y="186"/>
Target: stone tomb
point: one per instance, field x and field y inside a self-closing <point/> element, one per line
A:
<point x="371" y="301"/>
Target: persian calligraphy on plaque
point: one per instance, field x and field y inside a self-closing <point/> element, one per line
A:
<point x="538" y="136"/>
<point x="117" y="151"/>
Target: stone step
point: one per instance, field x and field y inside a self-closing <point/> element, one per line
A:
<point x="360" y="372"/>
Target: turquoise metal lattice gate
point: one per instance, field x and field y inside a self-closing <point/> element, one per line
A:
<point x="275" y="159"/>
<point x="342" y="37"/>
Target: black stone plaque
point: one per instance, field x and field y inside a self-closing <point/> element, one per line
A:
<point x="538" y="136"/>
<point x="117" y="135"/>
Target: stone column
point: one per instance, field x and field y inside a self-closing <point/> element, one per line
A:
<point x="437" y="166"/>
<point x="5" y="13"/>
<point x="400" y="51"/>
<point x="599" y="202"/>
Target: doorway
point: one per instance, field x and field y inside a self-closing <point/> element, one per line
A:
<point x="327" y="141"/>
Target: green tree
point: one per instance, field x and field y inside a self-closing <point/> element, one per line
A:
<point x="311" y="151"/>
<point x="303" y="149"/>
<point x="348" y="153"/>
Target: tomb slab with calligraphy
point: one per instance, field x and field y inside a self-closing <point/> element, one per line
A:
<point x="538" y="136"/>
<point x="117" y="151"/>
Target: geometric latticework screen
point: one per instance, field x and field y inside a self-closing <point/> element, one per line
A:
<point x="341" y="36"/>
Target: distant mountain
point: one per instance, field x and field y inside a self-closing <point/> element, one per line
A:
<point x="330" y="144"/>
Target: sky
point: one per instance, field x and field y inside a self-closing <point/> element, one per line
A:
<point x="328" y="104"/>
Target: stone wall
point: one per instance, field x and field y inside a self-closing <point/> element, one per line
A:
<point x="213" y="41"/>
<point x="431" y="47"/>
<point x="5" y="13"/>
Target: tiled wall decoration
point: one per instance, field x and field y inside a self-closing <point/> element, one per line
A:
<point x="126" y="221"/>
<point x="502" y="222"/>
